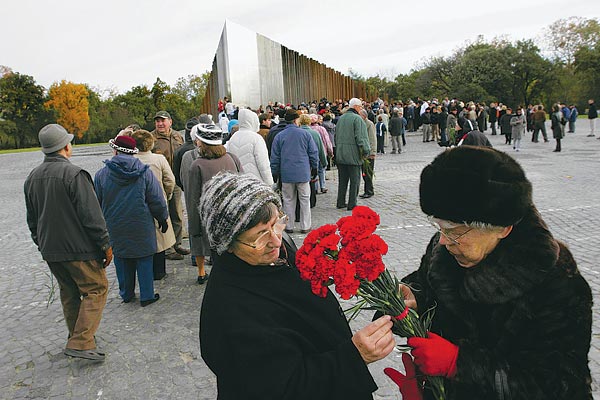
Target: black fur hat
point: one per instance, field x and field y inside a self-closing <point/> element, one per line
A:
<point x="475" y="184"/>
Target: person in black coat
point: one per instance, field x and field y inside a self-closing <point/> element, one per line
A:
<point x="513" y="315"/>
<point x="263" y="332"/>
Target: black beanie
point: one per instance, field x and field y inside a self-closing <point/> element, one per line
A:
<point x="475" y="184"/>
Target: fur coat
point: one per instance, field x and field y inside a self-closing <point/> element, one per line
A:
<point x="521" y="318"/>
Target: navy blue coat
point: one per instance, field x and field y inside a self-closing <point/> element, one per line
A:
<point x="131" y="198"/>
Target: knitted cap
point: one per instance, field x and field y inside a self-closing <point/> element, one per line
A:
<point x="228" y="204"/>
<point x="291" y="115"/>
<point x="475" y="184"/>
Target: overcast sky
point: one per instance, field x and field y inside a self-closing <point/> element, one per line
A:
<point x="121" y="44"/>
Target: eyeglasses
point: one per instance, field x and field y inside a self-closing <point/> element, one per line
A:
<point x="264" y="238"/>
<point x="447" y="234"/>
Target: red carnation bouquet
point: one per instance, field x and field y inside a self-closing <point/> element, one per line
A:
<point x="349" y="254"/>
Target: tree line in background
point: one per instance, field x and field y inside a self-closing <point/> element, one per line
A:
<point x="512" y="73"/>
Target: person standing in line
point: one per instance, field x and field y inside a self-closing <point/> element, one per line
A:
<point x="380" y="131"/>
<point x="167" y="142"/>
<point x="396" y="127"/>
<point x="294" y="161"/>
<point x="212" y="158"/>
<point x="352" y="144"/>
<point x="160" y="168"/>
<point x="505" y="126"/>
<point x="250" y="147"/>
<point x="592" y="116"/>
<point x="131" y="199"/>
<point x="493" y="116"/>
<point x="368" y="168"/>
<point x="330" y="128"/>
<point x="558" y="126"/>
<point x="426" y="121"/>
<point x="573" y="118"/>
<point x="518" y="123"/>
<point x="67" y="226"/>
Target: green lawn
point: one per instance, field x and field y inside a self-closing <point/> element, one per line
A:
<point x="29" y="149"/>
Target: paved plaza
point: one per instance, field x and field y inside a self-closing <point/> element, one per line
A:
<point x="153" y="352"/>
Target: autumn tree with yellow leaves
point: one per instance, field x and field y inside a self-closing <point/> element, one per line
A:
<point x="70" y="101"/>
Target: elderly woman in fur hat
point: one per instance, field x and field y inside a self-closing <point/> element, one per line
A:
<point x="262" y="331"/>
<point x="512" y="313"/>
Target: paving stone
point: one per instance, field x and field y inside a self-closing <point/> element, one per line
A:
<point x="153" y="352"/>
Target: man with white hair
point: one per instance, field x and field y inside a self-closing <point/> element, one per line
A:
<point x="352" y="146"/>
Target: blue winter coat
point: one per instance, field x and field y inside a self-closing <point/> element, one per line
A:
<point x="293" y="155"/>
<point x="131" y="198"/>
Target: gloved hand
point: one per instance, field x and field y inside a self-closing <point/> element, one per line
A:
<point x="409" y="384"/>
<point x="434" y="355"/>
<point x="164" y="225"/>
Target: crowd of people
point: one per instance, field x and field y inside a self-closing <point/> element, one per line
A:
<point x="251" y="177"/>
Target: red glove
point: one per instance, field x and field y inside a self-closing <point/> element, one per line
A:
<point x="434" y="355"/>
<point x="409" y="384"/>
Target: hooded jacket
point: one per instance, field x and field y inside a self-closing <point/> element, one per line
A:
<point x="131" y="198"/>
<point x="521" y="318"/>
<point x="250" y="147"/>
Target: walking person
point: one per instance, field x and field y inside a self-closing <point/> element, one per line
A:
<point x="426" y="121"/>
<point x="67" y="226"/>
<point x="592" y="116"/>
<point x="352" y="144"/>
<point x="505" y="126"/>
<point x="493" y="117"/>
<point x="558" y="126"/>
<point x="131" y="199"/>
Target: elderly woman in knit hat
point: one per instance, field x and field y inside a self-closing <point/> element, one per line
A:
<point x="212" y="158"/>
<point x="262" y="331"/>
<point x="131" y="199"/>
<point x="512" y="313"/>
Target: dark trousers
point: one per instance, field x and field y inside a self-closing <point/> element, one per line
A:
<point x="348" y="173"/>
<point x="158" y="265"/>
<point x="508" y="137"/>
<point x="493" y="125"/>
<point x="558" y="148"/>
<point x="83" y="290"/>
<point x="537" y="127"/>
<point x="127" y="268"/>
<point x="369" y="179"/>
<point x="380" y="142"/>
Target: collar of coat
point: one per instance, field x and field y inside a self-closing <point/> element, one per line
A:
<point x="522" y="260"/>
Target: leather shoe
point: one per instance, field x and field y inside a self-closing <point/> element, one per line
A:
<point x="201" y="280"/>
<point x="342" y="206"/>
<point x="182" y="250"/>
<point x="174" y="256"/>
<point x="305" y="230"/>
<point x="145" y="303"/>
<point x="289" y="230"/>
<point x="365" y="196"/>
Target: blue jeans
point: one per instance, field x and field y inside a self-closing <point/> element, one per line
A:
<point x="126" y="271"/>
<point x="321" y="174"/>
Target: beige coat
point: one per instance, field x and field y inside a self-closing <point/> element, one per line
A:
<point x="162" y="171"/>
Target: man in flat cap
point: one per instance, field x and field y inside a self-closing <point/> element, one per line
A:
<point x="67" y="225"/>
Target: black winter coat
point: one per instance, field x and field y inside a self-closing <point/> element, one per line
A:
<point x="265" y="335"/>
<point x="522" y="316"/>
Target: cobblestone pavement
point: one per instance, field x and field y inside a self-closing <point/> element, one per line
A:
<point x="153" y="352"/>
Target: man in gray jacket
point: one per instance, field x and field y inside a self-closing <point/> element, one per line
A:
<point x="352" y="145"/>
<point x="67" y="225"/>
